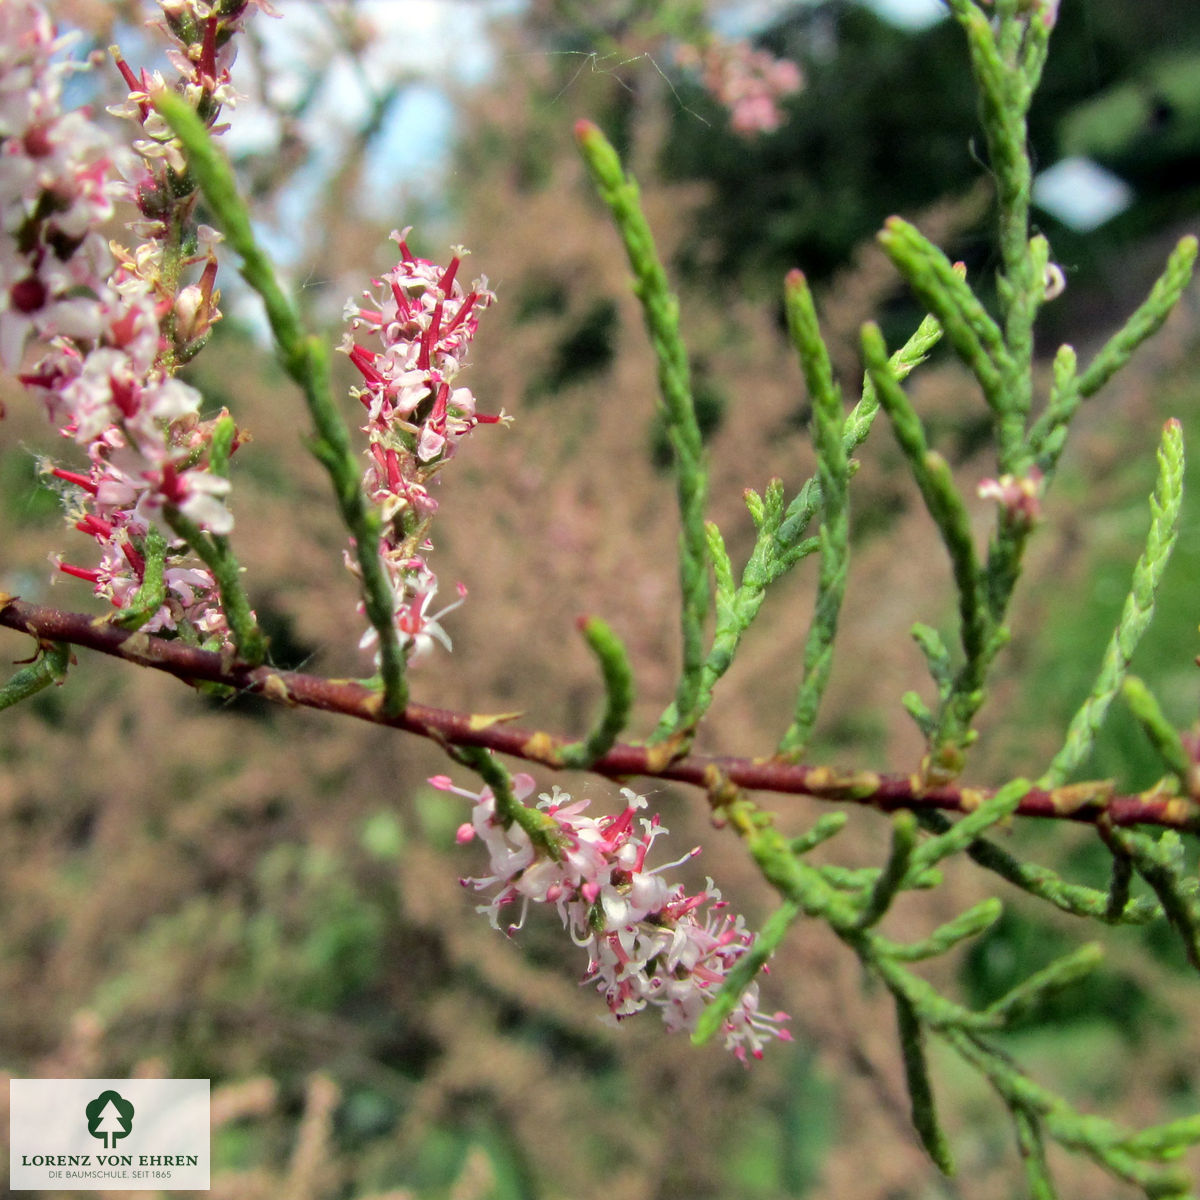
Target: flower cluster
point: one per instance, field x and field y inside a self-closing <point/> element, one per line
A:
<point x="202" y="51"/>
<point x="748" y="82"/>
<point x="204" y="46"/>
<point x="115" y="324"/>
<point x="423" y="320"/>
<point x="649" y="942"/>
<point x="56" y="189"/>
<point x="148" y="452"/>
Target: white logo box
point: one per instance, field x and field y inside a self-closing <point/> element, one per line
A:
<point x="109" y="1134"/>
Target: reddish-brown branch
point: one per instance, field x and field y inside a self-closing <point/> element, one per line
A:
<point x="1078" y="802"/>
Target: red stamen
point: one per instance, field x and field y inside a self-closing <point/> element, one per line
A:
<point x="461" y="315"/>
<point x="136" y="560"/>
<point x="447" y="280"/>
<point x="208" y="52"/>
<point x="437" y="418"/>
<point x="95" y="527"/>
<point x="79" y="572"/>
<point x="364" y="360"/>
<point x="74" y="477"/>
<point x="402" y="302"/>
<point x="435" y="325"/>
<point x="134" y="83"/>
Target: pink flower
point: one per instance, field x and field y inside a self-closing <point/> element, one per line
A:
<point x="748" y="82"/>
<point x="56" y="189"/>
<point x="420" y="321"/>
<point x="106" y="375"/>
<point x="1019" y="498"/>
<point x="649" y="942"/>
<point x="424" y="320"/>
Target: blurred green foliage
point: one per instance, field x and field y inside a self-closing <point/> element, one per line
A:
<point x="306" y="936"/>
<point x="887" y="123"/>
<point x="583" y="352"/>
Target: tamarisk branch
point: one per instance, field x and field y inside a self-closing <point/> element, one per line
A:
<point x="1093" y="802"/>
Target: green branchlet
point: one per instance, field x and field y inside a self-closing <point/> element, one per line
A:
<point x="937" y="656"/>
<point x="152" y="592"/>
<point x="725" y="595"/>
<point x="1119" y="882"/>
<point x="756" y="507"/>
<point x="935" y="1010"/>
<point x="894" y="875"/>
<point x="976" y="920"/>
<point x="937" y="659"/>
<point x="1048" y="434"/>
<point x="921" y="713"/>
<point x="220" y="447"/>
<point x="964" y="832"/>
<point x="1105" y="1142"/>
<point x="1059" y="975"/>
<point x="541" y="828"/>
<point x="306" y="360"/>
<point x="618" y="694"/>
<point x="1165" y="506"/>
<point x="949" y="512"/>
<point x="1007" y="57"/>
<point x="1146" y="320"/>
<point x="937" y="488"/>
<point x="1032" y="1146"/>
<point x="974" y="335"/>
<point x="1164" y="1141"/>
<point x="1008" y="50"/>
<point x="1162" y="734"/>
<point x="980" y="636"/>
<point x="857" y="426"/>
<point x="1043" y="883"/>
<point x="779" y="861"/>
<point x="214" y="551"/>
<point x="828" y="825"/>
<point x="858" y="880"/>
<point x="834" y="477"/>
<point x="1160" y="862"/>
<point x="49" y="666"/>
<point x="765" y="943"/>
<point x="660" y="311"/>
<point x="920" y="1088"/>
<point x="903" y="362"/>
<point x="780" y="543"/>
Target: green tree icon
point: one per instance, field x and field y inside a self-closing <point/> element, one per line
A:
<point x="109" y="1117"/>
